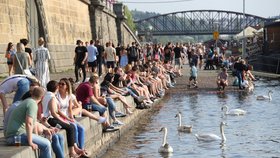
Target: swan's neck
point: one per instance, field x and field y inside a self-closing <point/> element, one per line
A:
<point x="226" y="111"/>
<point x="180" y="120"/>
<point x="164" y="138"/>
<point x="269" y="96"/>
<point x="222" y="133"/>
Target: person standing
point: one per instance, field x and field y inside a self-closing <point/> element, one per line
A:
<point x="133" y="54"/>
<point x="21" y="60"/>
<point x="110" y="56"/>
<point x="41" y="61"/>
<point x="193" y="76"/>
<point x="22" y="122"/>
<point x="27" y="49"/>
<point x="123" y="58"/>
<point x="100" y="56"/>
<point x="10" y="52"/>
<point x="92" y="56"/>
<point x="80" y="59"/>
<point x="177" y="52"/>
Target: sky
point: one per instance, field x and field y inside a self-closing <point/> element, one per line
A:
<point x="263" y="8"/>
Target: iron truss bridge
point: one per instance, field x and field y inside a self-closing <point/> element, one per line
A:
<point x="197" y="22"/>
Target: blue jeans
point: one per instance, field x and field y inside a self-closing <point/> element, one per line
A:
<point x="111" y="107"/>
<point x="131" y="92"/>
<point x="23" y="87"/>
<point x="95" y="107"/>
<point x="240" y="78"/>
<point x="44" y="144"/>
<point x="80" y="135"/>
<point x="58" y="145"/>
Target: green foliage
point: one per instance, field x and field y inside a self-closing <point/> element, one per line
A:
<point x="129" y="20"/>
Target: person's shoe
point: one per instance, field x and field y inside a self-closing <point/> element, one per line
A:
<point x="140" y="99"/>
<point x="110" y="129"/>
<point x="102" y="119"/>
<point x="118" y="123"/>
<point x="119" y="114"/>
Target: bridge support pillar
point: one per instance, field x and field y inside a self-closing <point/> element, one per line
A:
<point x="119" y="11"/>
<point x="95" y="9"/>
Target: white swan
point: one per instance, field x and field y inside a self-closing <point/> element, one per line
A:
<point x="165" y="147"/>
<point x="265" y="97"/>
<point x="235" y="112"/>
<point x="183" y="128"/>
<point x="212" y="137"/>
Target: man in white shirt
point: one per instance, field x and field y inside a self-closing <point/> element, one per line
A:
<point x="19" y="84"/>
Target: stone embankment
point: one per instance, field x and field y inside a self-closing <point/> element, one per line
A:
<point x="97" y="142"/>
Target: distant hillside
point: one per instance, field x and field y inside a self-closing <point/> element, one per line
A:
<point x="138" y="15"/>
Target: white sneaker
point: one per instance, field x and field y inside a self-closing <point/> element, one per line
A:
<point x="118" y="123"/>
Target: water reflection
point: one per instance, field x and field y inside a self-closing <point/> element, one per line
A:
<point x="166" y="155"/>
<point x="255" y="134"/>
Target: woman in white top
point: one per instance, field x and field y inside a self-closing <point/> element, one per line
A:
<point x="41" y="61"/>
<point x="65" y="107"/>
<point x="54" y="116"/>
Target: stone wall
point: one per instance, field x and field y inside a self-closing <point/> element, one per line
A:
<point x="67" y="21"/>
<point x="61" y="23"/>
<point x="12" y="26"/>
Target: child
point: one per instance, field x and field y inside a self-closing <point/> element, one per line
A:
<point x="193" y="75"/>
<point x="222" y="81"/>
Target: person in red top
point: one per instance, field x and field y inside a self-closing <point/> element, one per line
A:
<point x="85" y="94"/>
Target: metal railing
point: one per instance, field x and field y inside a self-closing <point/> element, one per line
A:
<point x="270" y="64"/>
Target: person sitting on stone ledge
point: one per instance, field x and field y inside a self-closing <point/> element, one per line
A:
<point x="22" y="121"/>
<point x="57" y="140"/>
<point x="134" y="82"/>
<point x="63" y="97"/>
<point x="119" y="85"/>
<point x="85" y="94"/>
<point x="222" y="80"/>
<point x="53" y="116"/>
<point x="107" y="101"/>
<point x="77" y="109"/>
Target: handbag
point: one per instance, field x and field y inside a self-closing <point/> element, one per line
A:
<point x="24" y="71"/>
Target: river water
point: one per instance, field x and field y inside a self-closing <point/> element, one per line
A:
<point x="256" y="134"/>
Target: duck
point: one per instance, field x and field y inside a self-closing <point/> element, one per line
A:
<point x="183" y="128"/>
<point x="265" y="97"/>
<point x="209" y="137"/>
<point x="165" y="147"/>
<point x="234" y="112"/>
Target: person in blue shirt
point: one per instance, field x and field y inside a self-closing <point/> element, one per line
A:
<point x="193" y="76"/>
<point x="92" y="57"/>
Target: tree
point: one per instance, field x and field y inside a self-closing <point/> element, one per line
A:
<point x="129" y="20"/>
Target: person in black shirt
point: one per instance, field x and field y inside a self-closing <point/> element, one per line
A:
<point x="177" y="52"/>
<point x="80" y="60"/>
<point x="240" y="67"/>
<point x="100" y="57"/>
<point x="167" y="52"/>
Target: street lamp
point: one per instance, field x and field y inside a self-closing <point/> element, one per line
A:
<point x="149" y="33"/>
<point x="244" y="39"/>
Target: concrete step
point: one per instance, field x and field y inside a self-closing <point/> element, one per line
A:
<point x="95" y="140"/>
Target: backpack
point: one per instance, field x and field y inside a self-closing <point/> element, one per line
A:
<point x="133" y="52"/>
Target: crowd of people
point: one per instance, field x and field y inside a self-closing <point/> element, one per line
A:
<point x="42" y="106"/>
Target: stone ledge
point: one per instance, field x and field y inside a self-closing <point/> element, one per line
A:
<point x="96" y="141"/>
